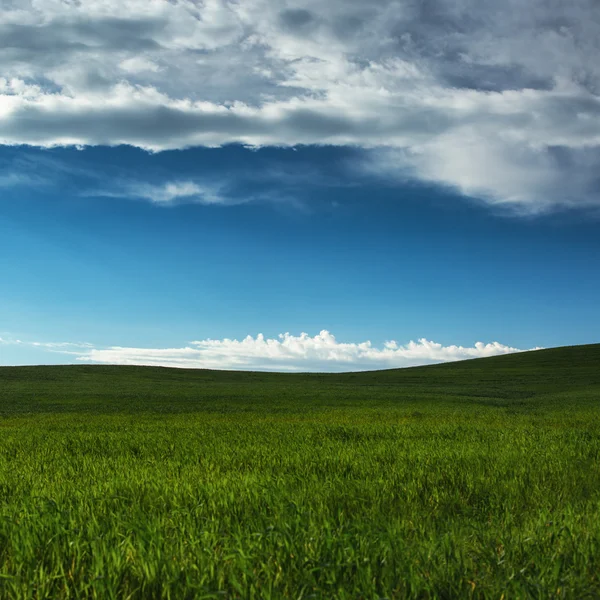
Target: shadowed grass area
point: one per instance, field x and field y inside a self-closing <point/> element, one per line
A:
<point x="474" y="479"/>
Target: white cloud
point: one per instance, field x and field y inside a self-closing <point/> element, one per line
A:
<point x="264" y="180"/>
<point x="176" y="191"/>
<point x="172" y="193"/>
<point x="319" y="353"/>
<point x="501" y="173"/>
<point x="62" y="347"/>
<point x="138" y="64"/>
<point x="294" y="353"/>
<point x="59" y="345"/>
<point x="498" y="100"/>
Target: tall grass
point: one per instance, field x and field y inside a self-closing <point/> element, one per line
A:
<point x="272" y="487"/>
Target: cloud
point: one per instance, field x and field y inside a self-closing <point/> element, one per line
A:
<point x="172" y="193"/>
<point x="508" y="175"/>
<point x="500" y="101"/>
<point x="63" y="347"/>
<point x="207" y="191"/>
<point x="293" y="353"/>
<point x="138" y="64"/>
<point x="10" y="180"/>
<point x="258" y="178"/>
<point x="58" y="345"/>
<point x="319" y="353"/>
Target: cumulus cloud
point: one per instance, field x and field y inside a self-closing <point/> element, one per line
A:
<point x="319" y="353"/>
<point x="322" y="352"/>
<point x="498" y="100"/>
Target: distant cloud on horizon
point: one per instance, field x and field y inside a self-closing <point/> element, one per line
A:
<point x="500" y="101"/>
<point x="319" y="353"/>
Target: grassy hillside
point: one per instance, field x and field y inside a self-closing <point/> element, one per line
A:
<point x="547" y="376"/>
<point x="475" y="479"/>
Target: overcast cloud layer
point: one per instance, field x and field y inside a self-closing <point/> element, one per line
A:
<point x="321" y="353"/>
<point x="500" y="100"/>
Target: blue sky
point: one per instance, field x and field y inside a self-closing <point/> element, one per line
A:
<point x="352" y="187"/>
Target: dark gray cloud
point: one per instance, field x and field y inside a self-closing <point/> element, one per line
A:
<point x="296" y="19"/>
<point x="109" y="33"/>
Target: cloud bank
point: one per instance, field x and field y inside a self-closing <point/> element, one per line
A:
<point x="320" y="353"/>
<point x="500" y="101"/>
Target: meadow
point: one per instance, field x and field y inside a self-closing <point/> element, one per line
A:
<point x="478" y="479"/>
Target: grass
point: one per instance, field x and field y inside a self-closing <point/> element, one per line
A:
<point x="478" y="479"/>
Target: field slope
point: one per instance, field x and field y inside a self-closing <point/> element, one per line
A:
<point x="474" y="479"/>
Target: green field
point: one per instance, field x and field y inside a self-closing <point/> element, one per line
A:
<point x="475" y="479"/>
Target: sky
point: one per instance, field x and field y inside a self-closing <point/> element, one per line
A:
<point x="297" y="186"/>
